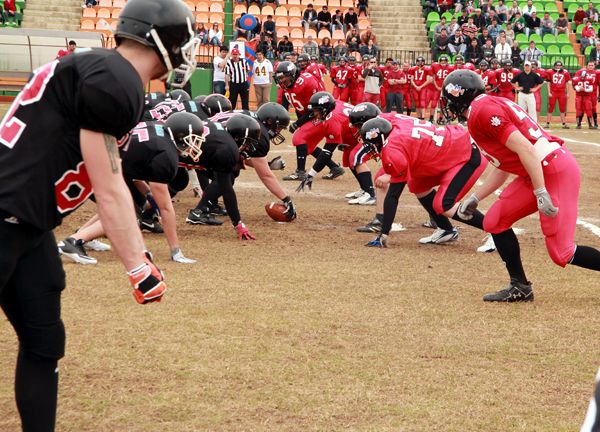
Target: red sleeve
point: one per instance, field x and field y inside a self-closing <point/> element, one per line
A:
<point x="334" y="132"/>
<point x="395" y="164"/>
<point x="494" y="123"/>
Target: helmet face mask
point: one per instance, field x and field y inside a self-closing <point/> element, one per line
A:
<point x="187" y="133"/>
<point x="275" y="118"/>
<point x="375" y="134"/>
<point x="286" y="74"/>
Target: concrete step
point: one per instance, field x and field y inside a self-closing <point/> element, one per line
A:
<point x="53" y="9"/>
<point x="72" y="16"/>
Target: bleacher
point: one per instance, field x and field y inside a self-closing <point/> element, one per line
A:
<point x="8" y="22"/>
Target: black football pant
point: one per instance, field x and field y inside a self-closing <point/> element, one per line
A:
<point x="243" y="90"/>
<point x="31" y="282"/>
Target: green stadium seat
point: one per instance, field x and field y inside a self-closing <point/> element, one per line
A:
<point x="554" y="16"/>
<point x="552" y="49"/>
<point x="550" y="7"/>
<point x="588" y="49"/>
<point x="567" y="49"/>
<point x="521" y="38"/>
<point x="448" y="16"/>
<point x="433" y="16"/>
<point x="539" y="7"/>
<point x="546" y="62"/>
<point x="563" y="39"/>
<point x="535" y="38"/>
<point x="549" y="39"/>
<point x="571" y="11"/>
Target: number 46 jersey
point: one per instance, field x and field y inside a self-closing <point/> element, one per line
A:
<point x="42" y="174"/>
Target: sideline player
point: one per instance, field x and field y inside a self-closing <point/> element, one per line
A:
<point x="58" y="141"/>
<point x="583" y="84"/>
<point x="504" y="79"/>
<point x="488" y="76"/>
<point x="557" y="91"/>
<point x="440" y="71"/>
<point x="547" y="180"/>
<point x="588" y="77"/>
<point x="341" y="76"/>
<point x="422" y="77"/>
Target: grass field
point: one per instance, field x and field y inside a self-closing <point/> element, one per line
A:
<point x="307" y="329"/>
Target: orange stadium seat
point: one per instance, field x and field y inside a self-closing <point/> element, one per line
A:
<point x="254" y="10"/>
<point x="202" y="18"/>
<point x="319" y="3"/>
<point x="338" y="34"/>
<point x="216" y="8"/>
<point x="282" y="31"/>
<point x="281" y="11"/>
<point x="363" y="24"/>
<point x="294" y="11"/>
<point x="267" y="10"/>
<point x="280" y="22"/>
<point x="87" y="24"/>
<point x="293" y="2"/>
<point x="323" y="33"/>
<point x="102" y="25"/>
<point x="295" y="22"/>
<point x="310" y="32"/>
<point x="103" y="13"/>
<point x="115" y="13"/>
<point x="105" y="3"/>
<point x="334" y="4"/>
<point x="298" y="44"/>
<point x="202" y="7"/>
<point x="191" y="5"/>
<point x="296" y="34"/>
<point x="89" y="13"/>
<point x="216" y="18"/>
<point x="347" y="3"/>
<point x="239" y="9"/>
<point x="119" y="3"/>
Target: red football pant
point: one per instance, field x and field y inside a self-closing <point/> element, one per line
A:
<point x="421" y="97"/>
<point x="583" y="105"/>
<point x="561" y="176"/>
<point x="562" y="102"/>
<point x="341" y="93"/>
<point x="538" y="100"/>
<point x="407" y="99"/>
<point x="356" y="155"/>
<point x="371" y="97"/>
<point x="382" y="95"/>
<point x="309" y="133"/>
<point x="280" y="95"/>
<point x="356" y="95"/>
<point x="433" y="98"/>
<point x="507" y="94"/>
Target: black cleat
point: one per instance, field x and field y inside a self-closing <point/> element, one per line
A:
<point x="334" y="173"/>
<point x="514" y="292"/>
<point x="198" y="217"/>
<point x="218" y="210"/>
<point x="151" y="225"/>
<point x="372" y="227"/>
<point x="296" y="175"/>
<point x="74" y="250"/>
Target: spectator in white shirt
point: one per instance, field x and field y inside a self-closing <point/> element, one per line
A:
<point x="262" y="76"/>
<point x="502" y="50"/>
<point x="215" y="35"/>
<point x="219" y="63"/>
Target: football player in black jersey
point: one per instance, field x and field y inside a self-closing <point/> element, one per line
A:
<point x="58" y="141"/>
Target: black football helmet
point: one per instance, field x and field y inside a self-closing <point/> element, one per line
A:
<point x="459" y="60"/>
<point x="187" y="132"/>
<point x="216" y="103"/>
<point x="507" y="63"/>
<point x="374" y="134"/>
<point x="443" y="58"/>
<point x="460" y="88"/>
<point x="245" y="131"/>
<point x="495" y="63"/>
<point x="167" y="26"/>
<point x="321" y="104"/>
<point x="351" y="59"/>
<point x="420" y="61"/>
<point x="342" y="60"/>
<point x="558" y="65"/>
<point x="484" y="65"/>
<point x="366" y="58"/>
<point x="303" y="61"/>
<point x="362" y="113"/>
<point x="286" y="74"/>
<point x="275" y="118"/>
<point x="180" y="95"/>
<point x="314" y="58"/>
<point x="199" y="99"/>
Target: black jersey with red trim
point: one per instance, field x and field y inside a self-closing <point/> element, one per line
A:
<point x="219" y="151"/>
<point x="149" y="154"/>
<point x="42" y="174"/>
<point x="163" y="109"/>
<point x="261" y="149"/>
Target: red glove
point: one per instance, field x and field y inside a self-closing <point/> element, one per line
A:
<point x="147" y="281"/>
<point x="243" y="232"/>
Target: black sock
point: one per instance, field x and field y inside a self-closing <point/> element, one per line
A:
<point x="408" y="111"/>
<point x="595" y="117"/>
<point x="476" y="221"/>
<point x="366" y="182"/>
<point x="589" y="120"/>
<point x="441" y="221"/>
<point x="379" y="217"/>
<point x="301" y="153"/>
<point x="586" y="257"/>
<point x="509" y="250"/>
<point x="36" y="389"/>
<point x="579" y="119"/>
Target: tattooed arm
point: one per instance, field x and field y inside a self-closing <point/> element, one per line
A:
<point x="113" y="199"/>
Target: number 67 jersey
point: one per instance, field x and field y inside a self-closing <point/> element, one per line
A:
<point x="42" y="174"/>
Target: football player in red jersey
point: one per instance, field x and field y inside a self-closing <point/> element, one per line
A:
<point x="384" y="88"/>
<point x="422" y="77"/>
<point x="459" y="63"/>
<point x="440" y="71"/>
<point x="557" y="91"/>
<point x="504" y="77"/>
<point x="298" y="89"/>
<point x="424" y="156"/>
<point x="584" y="83"/>
<point x="487" y="76"/>
<point x="317" y="69"/>
<point x="341" y="76"/>
<point x="547" y="180"/>
<point x="58" y="141"/>
<point x="357" y="83"/>
<point x="407" y="87"/>
<point x="589" y="75"/>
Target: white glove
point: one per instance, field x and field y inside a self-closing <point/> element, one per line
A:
<point x="177" y="256"/>
<point x="589" y="89"/>
<point x="578" y="87"/>
<point x="468" y="207"/>
<point x="544" y="202"/>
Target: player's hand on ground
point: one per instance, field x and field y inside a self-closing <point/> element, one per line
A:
<point x="177" y="256"/>
<point x="290" y="208"/>
<point x="147" y="281"/>
<point x="544" y="202"/>
<point x="306" y="183"/>
<point x="380" y="241"/>
<point x="468" y="207"/>
<point x="293" y="127"/>
<point x="243" y="232"/>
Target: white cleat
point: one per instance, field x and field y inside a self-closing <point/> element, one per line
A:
<point x="440" y="236"/>
<point x="353" y="195"/>
<point x="96" y="245"/>
<point x="488" y="246"/>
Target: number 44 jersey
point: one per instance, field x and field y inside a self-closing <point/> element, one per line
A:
<point x="42" y="174"/>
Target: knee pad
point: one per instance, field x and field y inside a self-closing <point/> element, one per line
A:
<point x="47" y="342"/>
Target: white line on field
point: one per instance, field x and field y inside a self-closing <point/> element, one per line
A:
<point x="581" y="142"/>
<point x="590" y="226"/>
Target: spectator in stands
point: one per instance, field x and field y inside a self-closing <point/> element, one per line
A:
<point x="528" y="10"/>
<point x="514" y="9"/>
<point x="547" y="26"/>
<point x="441" y="45"/>
<point x="269" y="28"/>
<point x="463" y="18"/>
<point x="202" y="33"/>
<point x="474" y="53"/>
<point x="326" y="52"/>
<point x="257" y="30"/>
<point x="452" y="27"/>
<point x="310" y="47"/>
<point x="494" y="29"/>
<point x="350" y="19"/>
<point x="592" y="13"/>
<point x="367" y="36"/>
<point x="246" y="2"/>
<point x="369" y="49"/>
<point x="353" y="40"/>
<point x="519" y="24"/>
<point x="502" y="50"/>
<point x="595" y="55"/>
<point x="238" y="30"/>
<point x="263" y="78"/>
<point x="70" y="49"/>
<point x="493" y="16"/>
<point x="562" y="24"/>
<point x="324" y="19"/>
<point x="531" y="53"/>
<point x="10" y="11"/>
<point x="363" y="6"/>
<point x="309" y="17"/>
<point x="267" y="47"/>
<point x="588" y="36"/>
<point x="396" y="79"/>
<point x="373" y="81"/>
<point x="340" y="50"/>
<point x="502" y="11"/>
<point x="263" y="2"/>
<point x="439" y="27"/>
<point x="90" y="3"/>
<point x="284" y="45"/>
<point x="219" y="63"/>
<point x="579" y="17"/>
<point x="444" y="5"/>
<point x="516" y="54"/>
<point x="429" y="6"/>
<point x="469" y="29"/>
<point x="479" y="20"/>
<point x="534" y="24"/>
<point x="215" y="35"/>
<point x="509" y="33"/>
<point x="485" y="34"/>
<point x="488" y="50"/>
<point x="337" y="22"/>
<point x="458" y="43"/>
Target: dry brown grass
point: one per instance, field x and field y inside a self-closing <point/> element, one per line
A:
<point x="306" y="329"/>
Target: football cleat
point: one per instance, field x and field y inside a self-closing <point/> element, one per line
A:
<point x="334" y="173"/>
<point x="218" y="210"/>
<point x="151" y="225"/>
<point x="566" y="126"/>
<point x="353" y="195"/>
<point x="296" y="175"/>
<point x="514" y="292"/>
<point x="368" y="200"/>
<point x="198" y="217"/>
<point x="488" y="246"/>
<point x="363" y="196"/>
<point x="372" y="227"/>
<point x="74" y="250"/>
<point x="430" y="224"/>
<point x="96" y="245"/>
<point x="440" y="236"/>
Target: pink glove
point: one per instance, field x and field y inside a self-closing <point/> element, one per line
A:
<point x="243" y="232"/>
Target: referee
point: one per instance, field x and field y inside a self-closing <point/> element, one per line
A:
<point x="526" y="84"/>
<point x="236" y="79"/>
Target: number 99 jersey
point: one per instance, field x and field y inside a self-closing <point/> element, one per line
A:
<point x="42" y="174"/>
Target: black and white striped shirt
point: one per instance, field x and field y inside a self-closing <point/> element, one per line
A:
<point x="238" y="71"/>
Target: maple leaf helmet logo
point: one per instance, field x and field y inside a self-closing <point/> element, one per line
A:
<point x="454" y="90"/>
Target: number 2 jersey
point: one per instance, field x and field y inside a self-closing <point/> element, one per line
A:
<point x="42" y="174"/>
<point x="492" y="120"/>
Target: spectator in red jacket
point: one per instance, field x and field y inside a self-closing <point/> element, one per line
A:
<point x="69" y="50"/>
<point x="10" y="10"/>
<point x="588" y="36"/>
<point x="579" y="16"/>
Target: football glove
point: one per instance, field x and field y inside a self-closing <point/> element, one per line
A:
<point x="243" y="232"/>
<point x="307" y="182"/>
<point x="468" y="207"/>
<point x="380" y="241"/>
<point x="293" y="127"/>
<point x="277" y="163"/>
<point x="147" y="281"/>
<point x="290" y="211"/>
<point x="177" y="256"/>
<point x="544" y="202"/>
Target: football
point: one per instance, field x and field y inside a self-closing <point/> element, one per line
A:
<point x="277" y="212"/>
